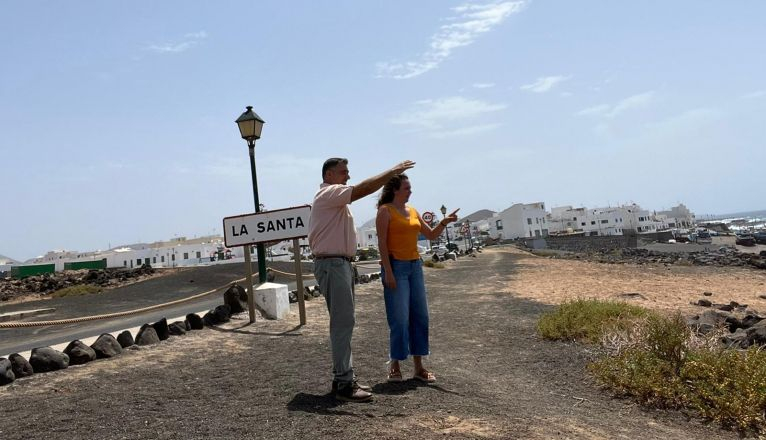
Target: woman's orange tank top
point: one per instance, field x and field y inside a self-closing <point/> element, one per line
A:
<point x="403" y="233"/>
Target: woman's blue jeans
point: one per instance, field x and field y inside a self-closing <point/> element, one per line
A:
<point x="407" y="310"/>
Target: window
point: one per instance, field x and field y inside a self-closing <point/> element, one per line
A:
<point x="162" y="258"/>
<point x="154" y="260"/>
<point x="173" y="257"/>
<point x="138" y="262"/>
<point x="537" y="232"/>
<point x="186" y="255"/>
<point x="529" y="221"/>
<point x="583" y="223"/>
<point x="499" y="225"/>
<point x="593" y="222"/>
<point x="125" y="264"/>
<point x="604" y="221"/>
<point x="537" y="221"/>
<point x="574" y="218"/>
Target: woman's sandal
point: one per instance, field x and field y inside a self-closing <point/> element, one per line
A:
<point x="424" y="376"/>
<point x="394" y="375"/>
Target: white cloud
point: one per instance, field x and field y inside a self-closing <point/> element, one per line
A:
<point x="755" y="95"/>
<point x="629" y="103"/>
<point x="446" y="117"/>
<point x="544" y="84"/>
<point x="483" y="85"/>
<point x="472" y="20"/>
<point x="473" y="129"/>
<point x="595" y="110"/>
<point x="190" y="40"/>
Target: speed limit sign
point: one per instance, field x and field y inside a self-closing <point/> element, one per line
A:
<point x="428" y="217"/>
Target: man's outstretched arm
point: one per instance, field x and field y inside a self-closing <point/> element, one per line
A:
<point x="372" y="184"/>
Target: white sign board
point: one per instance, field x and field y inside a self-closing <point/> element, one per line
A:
<point x="277" y="225"/>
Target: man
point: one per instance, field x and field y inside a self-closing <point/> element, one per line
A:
<point x="332" y="237"/>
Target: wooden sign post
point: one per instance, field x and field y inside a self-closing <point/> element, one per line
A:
<point x="277" y="225"/>
<point x="299" y="280"/>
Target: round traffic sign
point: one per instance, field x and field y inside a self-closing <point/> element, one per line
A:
<point x="428" y="217"/>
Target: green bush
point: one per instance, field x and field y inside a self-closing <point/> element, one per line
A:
<point x="82" y="289"/>
<point x="641" y="374"/>
<point x="661" y="370"/>
<point x="659" y="362"/>
<point x="728" y="386"/>
<point x="369" y="253"/>
<point x="588" y="320"/>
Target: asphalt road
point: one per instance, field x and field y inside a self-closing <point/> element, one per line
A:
<point x="180" y="284"/>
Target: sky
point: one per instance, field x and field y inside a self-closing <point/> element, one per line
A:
<point x="117" y="118"/>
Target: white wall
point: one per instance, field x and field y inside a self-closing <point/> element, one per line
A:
<point x="520" y="220"/>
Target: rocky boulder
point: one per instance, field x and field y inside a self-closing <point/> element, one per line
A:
<point x="195" y="322"/>
<point x="236" y="298"/>
<point x="161" y="327"/>
<point x="79" y="353"/>
<point x="125" y="339"/>
<point x="147" y="335"/>
<point x="21" y="366"/>
<point x="6" y="372"/>
<point x="106" y="346"/>
<point x="177" y="328"/>
<point x="44" y="359"/>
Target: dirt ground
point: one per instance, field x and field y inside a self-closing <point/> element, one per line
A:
<point x="496" y="378"/>
<point x="553" y="281"/>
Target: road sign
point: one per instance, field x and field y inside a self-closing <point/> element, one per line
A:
<point x="276" y="225"/>
<point x="428" y="217"/>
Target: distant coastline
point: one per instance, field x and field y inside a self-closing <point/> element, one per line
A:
<point x="746" y="215"/>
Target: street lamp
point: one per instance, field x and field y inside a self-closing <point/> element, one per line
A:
<point x="467" y="235"/>
<point x="443" y="209"/>
<point x="250" y="127"/>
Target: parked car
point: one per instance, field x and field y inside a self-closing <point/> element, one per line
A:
<point x="760" y="237"/>
<point x="745" y="239"/>
<point x="703" y="237"/>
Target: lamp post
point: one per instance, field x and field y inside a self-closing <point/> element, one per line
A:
<point x="467" y="236"/>
<point x="250" y="126"/>
<point x="443" y="209"/>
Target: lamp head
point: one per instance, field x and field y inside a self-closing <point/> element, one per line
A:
<point x="250" y="125"/>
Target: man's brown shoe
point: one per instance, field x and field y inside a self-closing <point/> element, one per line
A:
<point x="355" y="384"/>
<point x="351" y="394"/>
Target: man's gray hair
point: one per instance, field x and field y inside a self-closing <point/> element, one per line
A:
<point x="332" y="162"/>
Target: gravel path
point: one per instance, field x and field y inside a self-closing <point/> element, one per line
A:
<point x="496" y="379"/>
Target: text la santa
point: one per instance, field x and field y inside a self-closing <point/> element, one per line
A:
<point x="271" y="225"/>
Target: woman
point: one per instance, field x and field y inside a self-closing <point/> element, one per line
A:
<point x="398" y="227"/>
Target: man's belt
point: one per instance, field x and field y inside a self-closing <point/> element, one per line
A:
<point x="327" y="257"/>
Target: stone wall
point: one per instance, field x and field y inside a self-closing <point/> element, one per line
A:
<point x="594" y="243"/>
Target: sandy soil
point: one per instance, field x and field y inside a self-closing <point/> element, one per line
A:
<point x="497" y="379"/>
<point x="661" y="287"/>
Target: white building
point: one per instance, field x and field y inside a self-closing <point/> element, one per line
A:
<point x="677" y="217"/>
<point x="617" y="220"/>
<point x="567" y="220"/>
<point x="367" y="235"/>
<point x="522" y="220"/>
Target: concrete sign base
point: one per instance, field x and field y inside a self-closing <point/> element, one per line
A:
<point x="273" y="298"/>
